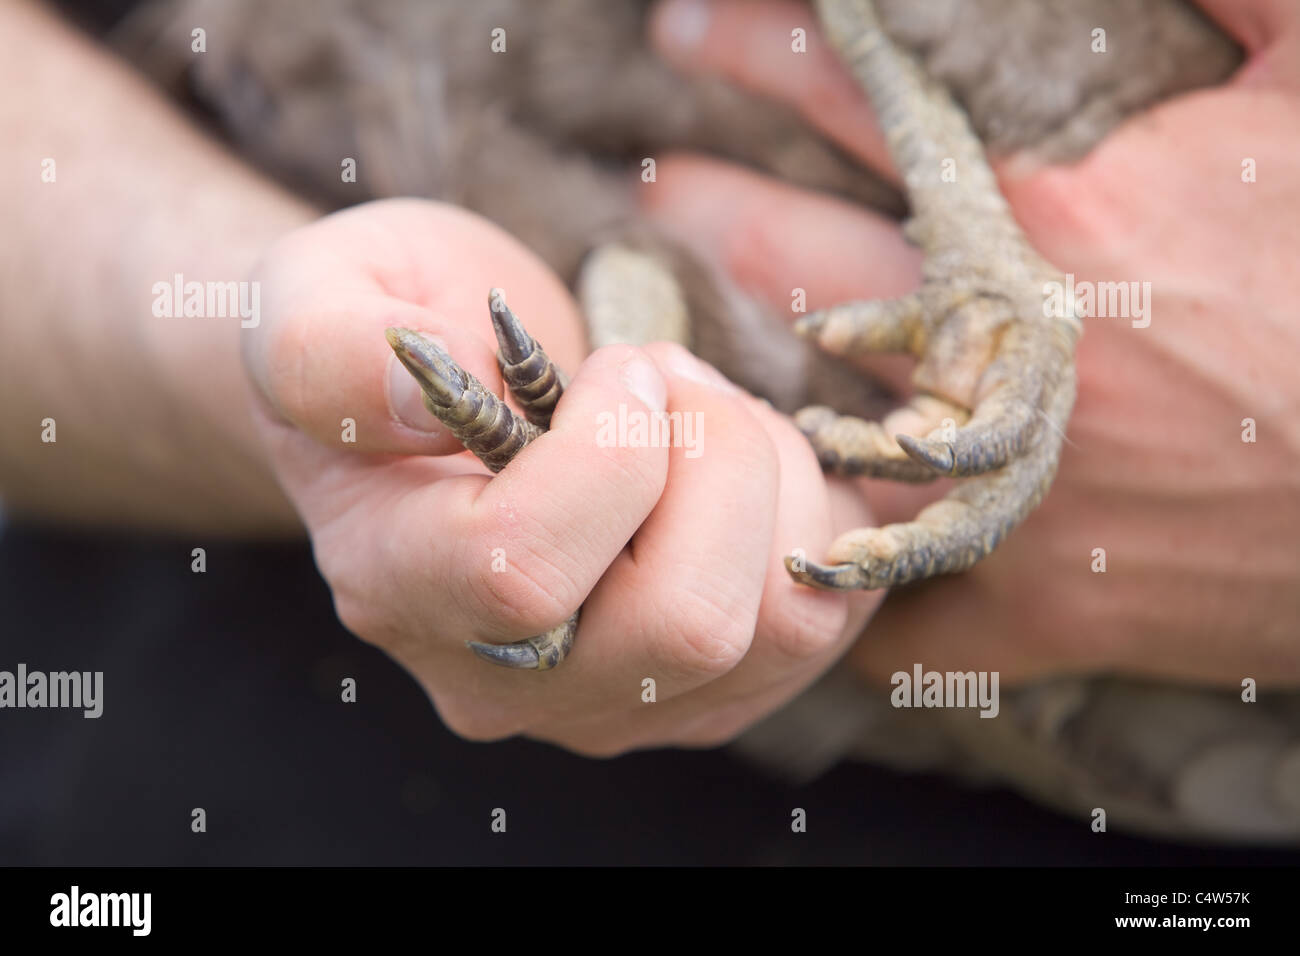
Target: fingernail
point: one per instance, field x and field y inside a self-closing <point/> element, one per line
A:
<point x="682" y="24"/>
<point x="640" y="377"/>
<point x="689" y="367"/>
<point x="406" y="401"/>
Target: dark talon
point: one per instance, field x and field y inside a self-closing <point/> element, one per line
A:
<point x="533" y="379"/>
<point x="937" y="454"/>
<point x="478" y="418"/>
<point x="539" y="653"/>
<point x="520" y="655"/>
<point x="515" y="342"/>
<point x="829" y="577"/>
<point x="441" y="379"/>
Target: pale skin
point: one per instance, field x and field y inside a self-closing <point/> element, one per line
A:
<point x="1199" y="528"/>
<point x="404" y="528"/>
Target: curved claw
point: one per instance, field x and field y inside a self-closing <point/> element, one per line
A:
<point x="480" y="420"/>
<point x="533" y="379"/>
<point x="937" y="454"/>
<point x="521" y="654"/>
<point x="539" y="653"/>
<point x="827" y="577"/>
<point x="440" y="378"/>
<point x="512" y="338"/>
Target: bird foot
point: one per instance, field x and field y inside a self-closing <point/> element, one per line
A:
<point x="995" y="375"/>
<point x="486" y="425"/>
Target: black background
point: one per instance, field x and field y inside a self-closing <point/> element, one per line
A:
<point x="222" y="691"/>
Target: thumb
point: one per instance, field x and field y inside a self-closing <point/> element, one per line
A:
<point x="319" y="357"/>
<point x="328" y="371"/>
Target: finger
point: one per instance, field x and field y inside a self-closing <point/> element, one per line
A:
<point x="799" y="632"/>
<point x="334" y="376"/>
<point x="752" y="45"/>
<point x="681" y="605"/>
<point x="563" y="509"/>
<point x="321" y="360"/>
<point x="420" y="562"/>
<point x="775" y="238"/>
<point x="783" y="244"/>
<point x="677" y="606"/>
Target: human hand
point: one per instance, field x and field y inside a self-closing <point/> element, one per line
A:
<point x="1198" y="526"/>
<point x="674" y="554"/>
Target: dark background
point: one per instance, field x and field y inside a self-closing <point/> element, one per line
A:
<point x="222" y="691"/>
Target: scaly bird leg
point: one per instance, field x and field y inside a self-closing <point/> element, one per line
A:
<point x="988" y="349"/>
<point x="487" y="427"/>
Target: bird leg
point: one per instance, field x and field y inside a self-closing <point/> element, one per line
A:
<point x="485" y="424"/>
<point x="989" y="349"/>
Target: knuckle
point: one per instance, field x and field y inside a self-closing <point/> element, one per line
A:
<point x="474" y="720"/>
<point x="807" y="625"/>
<point x="637" y="474"/>
<point x="532" y="595"/>
<point x="711" y="639"/>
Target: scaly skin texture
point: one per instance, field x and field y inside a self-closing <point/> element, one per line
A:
<point x="533" y="379"/>
<point x="495" y="434"/>
<point x="977" y="326"/>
